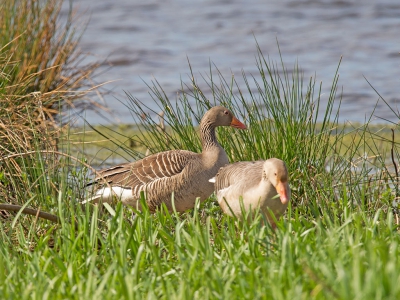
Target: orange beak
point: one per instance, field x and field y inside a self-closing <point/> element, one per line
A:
<point x="237" y="124"/>
<point x="283" y="191"/>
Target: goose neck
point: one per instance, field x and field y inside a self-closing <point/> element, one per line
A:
<point x="207" y="135"/>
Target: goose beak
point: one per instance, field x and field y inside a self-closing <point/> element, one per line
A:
<point x="283" y="191"/>
<point x="237" y="124"/>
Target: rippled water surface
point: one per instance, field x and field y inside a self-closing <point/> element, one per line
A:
<point x="144" y="40"/>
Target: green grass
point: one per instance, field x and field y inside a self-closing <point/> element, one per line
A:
<point x="338" y="240"/>
<point x="205" y="257"/>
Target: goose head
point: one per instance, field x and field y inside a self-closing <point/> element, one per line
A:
<point x="221" y="116"/>
<point x="276" y="172"/>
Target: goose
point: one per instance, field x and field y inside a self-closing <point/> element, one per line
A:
<point x="262" y="184"/>
<point x="184" y="174"/>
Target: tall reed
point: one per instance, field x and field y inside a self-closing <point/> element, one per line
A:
<point x="40" y="62"/>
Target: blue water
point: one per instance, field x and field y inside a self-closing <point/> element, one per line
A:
<point x="144" y="40"/>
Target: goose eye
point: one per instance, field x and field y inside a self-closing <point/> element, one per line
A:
<point x="226" y="112"/>
<point x="275" y="174"/>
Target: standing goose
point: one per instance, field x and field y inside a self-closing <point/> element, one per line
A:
<point x="262" y="184"/>
<point x="184" y="173"/>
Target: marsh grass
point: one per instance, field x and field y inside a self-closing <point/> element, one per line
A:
<point x="41" y="70"/>
<point x="41" y="52"/>
<point x="338" y="240"/>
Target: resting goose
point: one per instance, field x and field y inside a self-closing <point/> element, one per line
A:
<point x="262" y="184"/>
<point x="185" y="174"/>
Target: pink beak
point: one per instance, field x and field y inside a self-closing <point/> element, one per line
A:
<point x="284" y="191"/>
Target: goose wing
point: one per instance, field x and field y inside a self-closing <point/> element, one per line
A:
<point x="157" y="166"/>
<point x="239" y="176"/>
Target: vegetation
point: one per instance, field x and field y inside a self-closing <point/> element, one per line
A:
<point x="39" y="70"/>
<point x="338" y="240"/>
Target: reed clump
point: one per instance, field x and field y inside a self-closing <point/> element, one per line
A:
<point x="40" y="67"/>
<point x="41" y="75"/>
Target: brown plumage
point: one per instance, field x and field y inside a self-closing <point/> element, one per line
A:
<point x="184" y="173"/>
<point x="262" y="184"/>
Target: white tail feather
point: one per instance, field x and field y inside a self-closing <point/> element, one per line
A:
<point x="106" y="195"/>
<point x="94" y="199"/>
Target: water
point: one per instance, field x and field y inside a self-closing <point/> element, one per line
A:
<point x="144" y="40"/>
